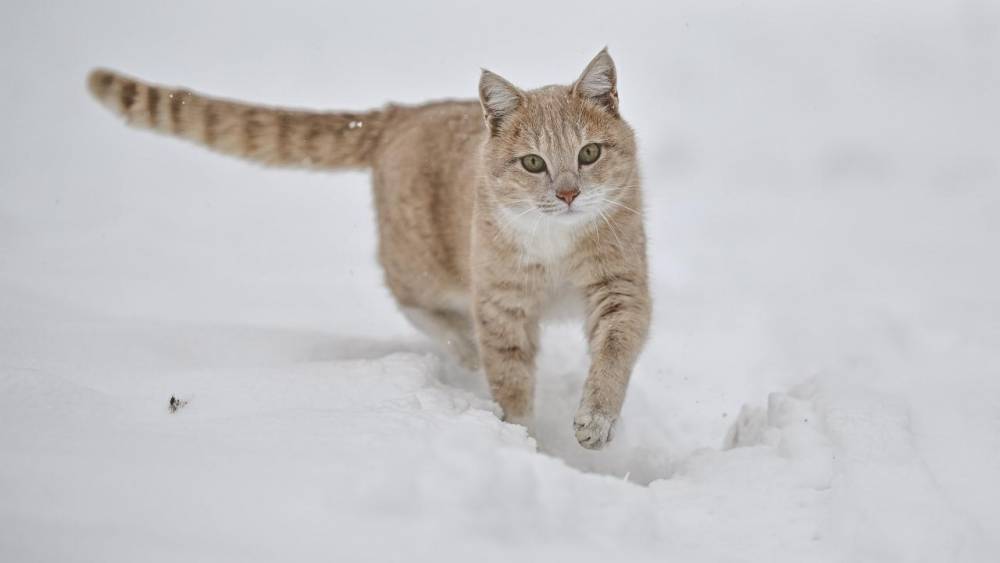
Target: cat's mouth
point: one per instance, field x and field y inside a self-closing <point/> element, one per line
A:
<point x="590" y="205"/>
<point x="528" y="218"/>
<point x="559" y="210"/>
<point x="571" y="214"/>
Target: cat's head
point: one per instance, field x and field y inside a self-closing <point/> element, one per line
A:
<point x="558" y="153"/>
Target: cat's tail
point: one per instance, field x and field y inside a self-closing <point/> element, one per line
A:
<point x="266" y="135"/>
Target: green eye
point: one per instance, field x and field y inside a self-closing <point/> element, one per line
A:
<point x="533" y="163"/>
<point x="589" y="154"/>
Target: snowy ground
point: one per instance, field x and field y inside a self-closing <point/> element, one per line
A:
<point x="823" y="377"/>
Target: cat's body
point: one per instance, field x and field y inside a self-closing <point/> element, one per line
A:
<point x="477" y="242"/>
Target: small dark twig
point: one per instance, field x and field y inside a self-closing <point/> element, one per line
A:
<point x="176" y="404"/>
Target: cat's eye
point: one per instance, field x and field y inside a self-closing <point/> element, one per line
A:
<point x="533" y="163"/>
<point x="589" y="154"/>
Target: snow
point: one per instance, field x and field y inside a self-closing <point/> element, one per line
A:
<point x="822" y="382"/>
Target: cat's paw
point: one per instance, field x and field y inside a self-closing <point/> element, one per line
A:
<point x="593" y="429"/>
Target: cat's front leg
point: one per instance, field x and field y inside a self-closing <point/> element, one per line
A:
<point x="618" y="312"/>
<point x="507" y="330"/>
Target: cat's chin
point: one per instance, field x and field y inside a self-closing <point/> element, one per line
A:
<point x="567" y="217"/>
<point x="573" y="216"/>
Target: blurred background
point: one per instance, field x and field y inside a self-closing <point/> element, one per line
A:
<point x="823" y="202"/>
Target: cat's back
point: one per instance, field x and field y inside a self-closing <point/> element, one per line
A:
<point x="440" y="134"/>
<point x="429" y="156"/>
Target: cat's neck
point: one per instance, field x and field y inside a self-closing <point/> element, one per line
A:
<point x="542" y="239"/>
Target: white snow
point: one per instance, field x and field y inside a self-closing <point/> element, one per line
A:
<point x="823" y="378"/>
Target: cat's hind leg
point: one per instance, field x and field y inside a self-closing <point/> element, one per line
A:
<point x="450" y="329"/>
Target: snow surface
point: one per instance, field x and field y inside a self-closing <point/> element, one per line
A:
<point x="823" y="378"/>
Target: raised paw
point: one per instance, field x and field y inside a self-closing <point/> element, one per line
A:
<point x="593" y="429"/>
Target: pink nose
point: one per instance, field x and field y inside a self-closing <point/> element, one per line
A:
<point x="568" y="195"/>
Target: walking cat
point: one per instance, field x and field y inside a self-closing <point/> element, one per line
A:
<point x="488" y="211"/>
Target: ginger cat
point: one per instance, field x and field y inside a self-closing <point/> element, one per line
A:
<point x="488" y="212"/>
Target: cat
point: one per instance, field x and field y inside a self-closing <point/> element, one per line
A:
<point x="488" y="212"/>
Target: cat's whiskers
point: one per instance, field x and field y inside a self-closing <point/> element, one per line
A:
<point x="611" y="225"/>
<point x="612" y="229"/>
<point x="622" y="205"/>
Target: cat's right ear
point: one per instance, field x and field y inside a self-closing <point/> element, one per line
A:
<point x="499" y="98"/>
<point x="599" y="82"/>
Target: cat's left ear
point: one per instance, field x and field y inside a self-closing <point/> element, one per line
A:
<point x="599" y="82"/>
<point x="499" y="99"/>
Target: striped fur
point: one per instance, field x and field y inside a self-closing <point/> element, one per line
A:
<point x="266" y="135"/>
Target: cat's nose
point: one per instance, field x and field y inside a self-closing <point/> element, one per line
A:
<point x="568" y="194"/>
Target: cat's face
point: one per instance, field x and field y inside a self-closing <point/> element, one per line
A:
<point x="559" y="153"/>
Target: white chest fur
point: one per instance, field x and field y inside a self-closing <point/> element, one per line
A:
<point x="543" y="239"/>
<point x="549" y="242"/>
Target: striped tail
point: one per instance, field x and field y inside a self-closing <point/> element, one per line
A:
<point x="269" y="136"/>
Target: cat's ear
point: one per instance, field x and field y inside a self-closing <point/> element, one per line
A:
<point x="499" y="98"/>
<point x="599" y="82"/>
